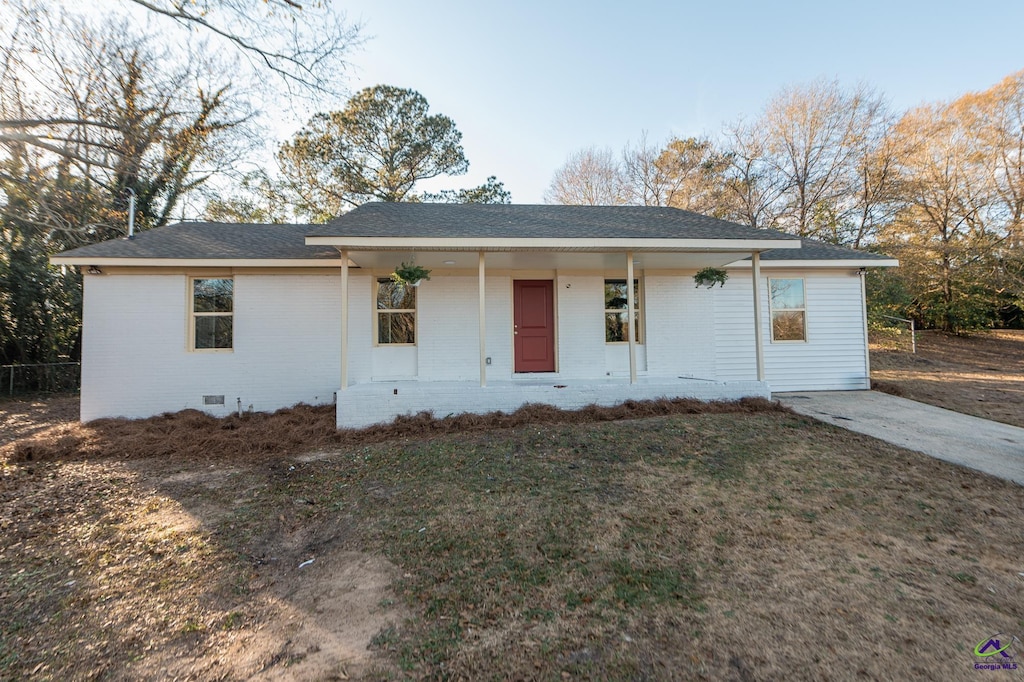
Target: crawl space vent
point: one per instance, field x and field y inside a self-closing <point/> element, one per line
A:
<point x="213" y="400"/>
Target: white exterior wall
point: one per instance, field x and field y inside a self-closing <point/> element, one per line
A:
<point x="680" y="329"/>
<point x="833" y="356"/>
<point x="448" y="329"/>
<point x="136" y="362"/>
<point x="374" y="403"/>
<point x="579" y="326"/>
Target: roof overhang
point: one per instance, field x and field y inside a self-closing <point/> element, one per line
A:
<point x="533" y="244"/>
<point x="199" y="262"/>
<point x="820" y="263"/>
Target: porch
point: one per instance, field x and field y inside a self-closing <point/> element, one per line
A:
<point x="372" y="403"/>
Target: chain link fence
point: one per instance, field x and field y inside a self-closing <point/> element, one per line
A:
<point x="53" y="377"/>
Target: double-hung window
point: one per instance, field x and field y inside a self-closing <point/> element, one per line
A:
<point x="617" y="320"/>
<point x="788" y="308"/>
<point x="396" y="313"/>
<point x="212" y="313"/>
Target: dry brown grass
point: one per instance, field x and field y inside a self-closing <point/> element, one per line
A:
<point x="191" y="434"/>
<point x="981" y="374"/>
<point x="756" y="544"/>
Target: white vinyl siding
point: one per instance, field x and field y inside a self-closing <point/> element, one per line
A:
<point x="831" y="359"/>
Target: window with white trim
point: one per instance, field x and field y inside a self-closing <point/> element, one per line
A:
<point x="788" y="307"/>
<point x="212" y="313"/>
<point x="396" y="313"/>
<point x="616" y="312"/>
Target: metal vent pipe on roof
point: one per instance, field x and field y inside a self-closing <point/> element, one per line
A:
<point x="131" y="214"/>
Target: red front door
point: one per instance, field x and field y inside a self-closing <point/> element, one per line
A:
<point x="534" y="319"/>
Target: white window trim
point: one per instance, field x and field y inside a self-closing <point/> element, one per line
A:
<point x="192" y="314"/>
<point x="390" y="311"/>
<point x="771" y="311"/>
<point x="640" y="307"/>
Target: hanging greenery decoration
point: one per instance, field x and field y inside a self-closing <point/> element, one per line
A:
<point x="410" y="273"/>
<point x="709" y="277"/>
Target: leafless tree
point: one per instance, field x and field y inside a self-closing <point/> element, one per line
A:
<point x="592" y="177"/>
<point x="96" y="117"/>
<point x="753" y="186"/>
<point x="813" y="133"/>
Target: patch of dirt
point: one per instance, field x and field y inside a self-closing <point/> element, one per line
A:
<point x="322" y="619"/>
<point x="135" y="571"/>
<point x="980" y="375"/>
<point x="23" y="417"/>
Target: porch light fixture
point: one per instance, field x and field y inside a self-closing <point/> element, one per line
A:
<point x="449" y="262"/>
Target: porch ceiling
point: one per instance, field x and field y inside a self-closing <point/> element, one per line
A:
<point x="543" y="260"/>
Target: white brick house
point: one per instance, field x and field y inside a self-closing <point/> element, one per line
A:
<point x="523" y="304"/>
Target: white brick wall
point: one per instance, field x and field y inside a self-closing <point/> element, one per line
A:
<point x="135" y="361"/>
<point x="376" y="403"/>
<point x="580" y="326"/>
<point x="449" y="323"/>
<point x="680" y="327"/>
<point x="287" y="338"/>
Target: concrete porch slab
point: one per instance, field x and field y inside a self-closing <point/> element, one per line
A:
<point x="378" y="402"/>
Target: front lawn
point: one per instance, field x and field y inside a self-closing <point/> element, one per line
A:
<point x="752" y="545"/>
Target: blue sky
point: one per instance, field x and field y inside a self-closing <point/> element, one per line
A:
<point x="528" y="82"/>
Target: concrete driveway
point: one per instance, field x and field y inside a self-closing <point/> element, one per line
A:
<point x="988" y="446"/>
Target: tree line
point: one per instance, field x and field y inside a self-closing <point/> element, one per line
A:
<point x="940" y="187"/>
<point x="96" y="114"/>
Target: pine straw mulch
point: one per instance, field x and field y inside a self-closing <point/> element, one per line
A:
<point x="191" y="434"/>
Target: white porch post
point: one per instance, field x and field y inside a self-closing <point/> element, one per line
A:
<point x="630" y="297"/>
<point x="344" y="320"/>
<point x="483" y="321"/>
<point x="755" y="270"/>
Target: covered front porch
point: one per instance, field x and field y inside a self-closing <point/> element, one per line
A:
<point x="517" y="309"/>
<point x="373" y="403"/>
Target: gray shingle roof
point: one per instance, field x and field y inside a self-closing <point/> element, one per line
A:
<point x="815" y="250"/>
<point x="213" y="241"/>
<point x="533" y="221"/>
<point x="203" y="240"/>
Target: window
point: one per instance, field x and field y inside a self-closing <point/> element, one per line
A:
<point x="396" y="313"/>
<point x="212" y="313"/>
<point x="616" y="315"/>
<point x="789" y="313"/>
